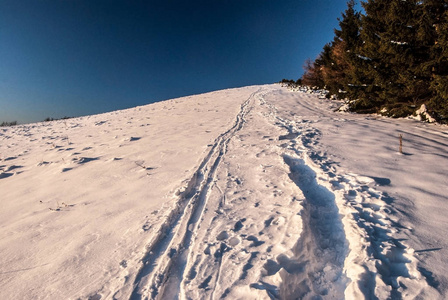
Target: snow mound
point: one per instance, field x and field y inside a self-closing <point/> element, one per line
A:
<point x="423" y="115"/>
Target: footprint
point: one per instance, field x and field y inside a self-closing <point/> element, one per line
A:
<point x="350" y="195"/>
<point x="95" y="297"/>
<point x="222" y="249"/>
<point x="268" y="222"/>
<point x="146" y="227"/>
<point x="234" y="241"/>
<point x="124" y="263"/>
<point x="336" y="185"/>
<point x="271" y="267"/>
<point x="289" y="136"/>
<point x="255" y="241"/>
<point x="239" y="225"/>
<point x="207" y="250"/>
<point x="222" y="236"/>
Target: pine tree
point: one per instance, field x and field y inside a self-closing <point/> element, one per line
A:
<point x="435" y="18"/>
<point x="392" y="58"/>
<point x="411" y="52"/>
<point x="331" y="71"/>
<point x="345" y="46"/>
<point x="348" y="31"/>
<point x="364" y="86"/>
<point x="389" y="35"/>
<point x="333" y="64"/>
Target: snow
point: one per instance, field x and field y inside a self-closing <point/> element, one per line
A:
<point x="363" y="57"/>
<point x="423" y="115"/>
<point x="251" y="193"/>
<point x="399" y="43"/>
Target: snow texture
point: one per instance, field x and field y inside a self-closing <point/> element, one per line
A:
<point x="251" y="193"/>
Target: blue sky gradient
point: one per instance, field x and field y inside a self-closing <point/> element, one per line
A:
<point x="77" y="57"/>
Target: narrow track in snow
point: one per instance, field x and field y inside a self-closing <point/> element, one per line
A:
<point x="322" y="247"/>
<point x="200" y="253"/>
<point x="164" y="264"/>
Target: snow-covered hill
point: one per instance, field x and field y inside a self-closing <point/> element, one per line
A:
<point x="249" y="193"/>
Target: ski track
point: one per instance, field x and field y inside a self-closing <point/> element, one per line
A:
<point x="347" y="247"/>
<point x="164" y="265"/>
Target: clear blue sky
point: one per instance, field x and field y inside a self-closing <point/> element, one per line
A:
<point x="78" y="57"/>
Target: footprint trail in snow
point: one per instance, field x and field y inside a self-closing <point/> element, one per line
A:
<point x="250" y="193"/>
<point x="265" y="216"/>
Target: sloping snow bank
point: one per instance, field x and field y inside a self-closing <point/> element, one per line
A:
<point x="251" y="193"/>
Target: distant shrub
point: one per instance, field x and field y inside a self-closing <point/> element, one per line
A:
<point x="53" y="119"/>
<point x="5" y="124"/>
<point x="291" y="83"/>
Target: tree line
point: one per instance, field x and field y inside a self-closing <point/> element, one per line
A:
<point x="14" y="123"/>
<point x="6" y="124"/>
<point x="391" y="58"/>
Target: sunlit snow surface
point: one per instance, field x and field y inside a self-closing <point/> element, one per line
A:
<point x="249" y="193"/>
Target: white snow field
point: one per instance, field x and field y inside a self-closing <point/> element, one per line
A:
<point x="250" y="193"/>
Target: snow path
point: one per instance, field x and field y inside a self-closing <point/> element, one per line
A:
<point x="345" y="247"/>
<point x="400" y="198"/>
<point x="165" y="263"/>
<point x="250" y="193"/>
<point x="322" y="247"/>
